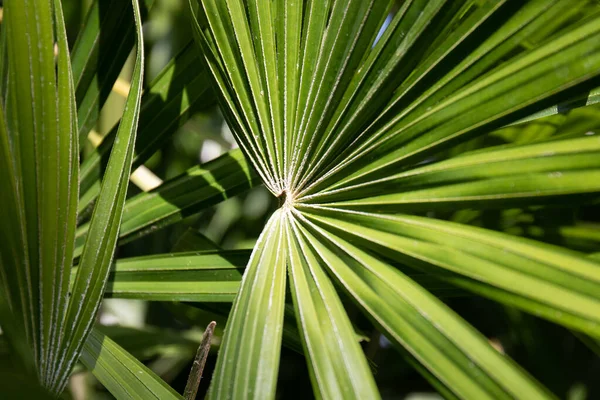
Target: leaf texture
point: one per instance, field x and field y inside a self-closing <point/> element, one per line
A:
<point x="121" y="373"/>
<point x="357" y="114"/>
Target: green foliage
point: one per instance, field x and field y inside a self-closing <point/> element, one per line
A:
<point x="419" y="150"/>
<point x="40" y="149"/>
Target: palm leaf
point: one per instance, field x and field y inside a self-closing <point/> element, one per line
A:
<point x="193" y="191"/>
<point x="40" y="143"/>
<point x="445" y="344"/>
<point x="562" y="280"/>
<point x="97" y="62"/>
<point x="249" y="357"/>
<point x="207" y="276"/>
<point x="180" y="90"/>
<point x="202" y="276"/>
<point x="121" y="373"/>
<point x="328" y="333"/>
<point x="97" y="254"/>
<point x="40" y="188"/>
<point x="376" y="124"/>
<point x="593" y="97"/>
<point x="516" y="175"/>
<point x="336" y="110"/>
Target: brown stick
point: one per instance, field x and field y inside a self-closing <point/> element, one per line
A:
<point x="191" y="388"/>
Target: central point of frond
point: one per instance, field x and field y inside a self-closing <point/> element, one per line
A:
<point x="286" y="199"/>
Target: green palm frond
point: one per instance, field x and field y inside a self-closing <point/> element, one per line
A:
<point x="347" y="110"/>
<point x="47" y="320"/>
<point x="389" y="131"/>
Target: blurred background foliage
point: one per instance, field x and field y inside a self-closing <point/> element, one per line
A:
<point x="166" y="335"/>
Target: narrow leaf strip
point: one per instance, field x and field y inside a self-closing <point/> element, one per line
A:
<point x="249" y="358"/>
<point x="16" y="308"/>
<point x="337" y="364"/>
<point x="588" y="99"/>
<point x="62" y="203"/>
<point x="523" y="163"/>
<point x="121" y="373"/>
<point x="31" y="111"/>
<point x="207" y="276"/>
<point x="104" y="227"/>
<point x="202" y="276"/>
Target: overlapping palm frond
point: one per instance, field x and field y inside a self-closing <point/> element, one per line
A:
<point x="386" y="129"/>
<point x="45" y="318"/>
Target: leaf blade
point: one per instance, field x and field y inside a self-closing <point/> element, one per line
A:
<point x="99" y="249"/>
<point x="489" y="263"/>
<point x="249" y="358"/>
<point x="337" y="364"/>
<point x="121" y="373"/>
<point x="198" y="188"/>
<point x="96" y="61"/>
<point x="419" y="322"/>
<point x="180" y="90"/>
